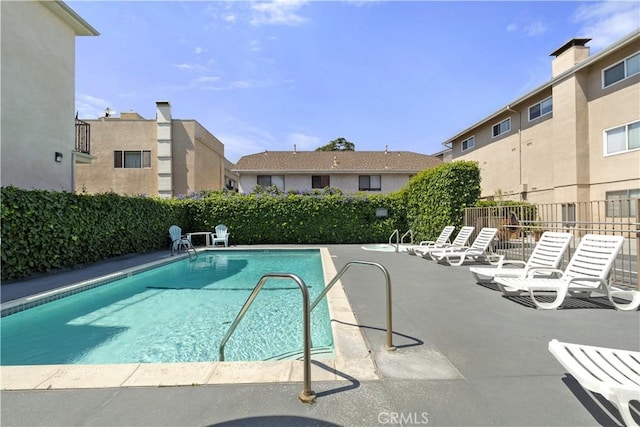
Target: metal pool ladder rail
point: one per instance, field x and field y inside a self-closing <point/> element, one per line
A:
<point x="306" y="395"/>
<point x="389" y="343"/>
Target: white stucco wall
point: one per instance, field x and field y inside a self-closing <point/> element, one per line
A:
<point x="346" y="182"/>
<point x="38" y="80"/>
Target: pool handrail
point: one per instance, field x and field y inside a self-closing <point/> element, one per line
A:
<point x="410" y="233"/>
<point x="389" y="343"/>
<point x="306" y="395"/>
<point x="396" y="233"/>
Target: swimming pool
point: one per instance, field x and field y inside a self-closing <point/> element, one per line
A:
<point x="177" y="312"/>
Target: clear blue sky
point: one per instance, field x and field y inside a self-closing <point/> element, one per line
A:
<point x="268" y="75"/>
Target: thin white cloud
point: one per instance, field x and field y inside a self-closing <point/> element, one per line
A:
<point x="512" y="27"/>
<point x="277" y="12"/>
<point x="304" y="142"/>
<point x="206" y="79"/>
<point x="91" y="107"/>
<point x="535" y="28"/>
<point x="606" y="22"/>
<point x="189" y="67"/>
<point x="199" y="50"/>
<point x="231" y="18"/>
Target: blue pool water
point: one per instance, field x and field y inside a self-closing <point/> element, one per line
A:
<point x="177" y="312"/>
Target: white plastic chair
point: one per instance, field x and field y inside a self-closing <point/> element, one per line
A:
<point x="587" y="273"/>
<point x="613" y="373"/>
<point x="221" y="235"/>
<point x="548" y="253"/>
<point x="460" y="241"/>
<point x="480" y="250"/>
<point x="178" y="240"/>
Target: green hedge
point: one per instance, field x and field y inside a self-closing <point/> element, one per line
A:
<point x="46" y="230"/>
<point x="299" y="218"/>
<point x="437" y="197"/>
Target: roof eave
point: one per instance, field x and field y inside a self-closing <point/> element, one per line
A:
<point x="71" y="18"/>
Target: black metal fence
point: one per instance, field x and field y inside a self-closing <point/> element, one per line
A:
<point x="83" y="136"/>
<point x="519" y="228"/>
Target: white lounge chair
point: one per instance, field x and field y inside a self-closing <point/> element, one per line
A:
<point x="613" y="373"/>
<point x="548" y="253"/>
<point x="440" y="242"/>
<point x="588" y="272"/>
<point x="480" y="250"/>
<point x="460" y="241"/>
<point x="221" y="235"/>
<point x="178" y="240"/>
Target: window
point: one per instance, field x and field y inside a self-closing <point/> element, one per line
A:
<point x="369" y="182"/>
<point x="319" y="181"/>
<point x="622" y="203"/>
<point x="540" y="109"/>
<point x="269" y="180"/>
<point x="468" y="143"/>
<point x="502" y="127"/>
<point x="132" y="159"/>
<point x="568" y="214"/>
<point x="622" y="70"/>
<point x="622" y="139"/>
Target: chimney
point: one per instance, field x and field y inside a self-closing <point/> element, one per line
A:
<point x="568" y="55"/>
<point x="294" y="149"/>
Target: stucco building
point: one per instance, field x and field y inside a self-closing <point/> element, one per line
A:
<point x="351" y="171"/>
<point x="576" y="138"/>
<point x="39" y="145"/>
<point x="163" y="157"/>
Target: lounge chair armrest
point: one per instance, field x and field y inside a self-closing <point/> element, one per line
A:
<point x="588" y="279"/>
<point x="547" y="270"/>
<point x="511" y="261"/>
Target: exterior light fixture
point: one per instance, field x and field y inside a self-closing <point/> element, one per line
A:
<point x="58" y="157"/>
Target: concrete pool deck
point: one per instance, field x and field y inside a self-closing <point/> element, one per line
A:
<point x="466" y="356"/>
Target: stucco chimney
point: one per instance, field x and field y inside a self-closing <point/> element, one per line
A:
<point x="164" y="138"/>
<point x="568" y="55"/>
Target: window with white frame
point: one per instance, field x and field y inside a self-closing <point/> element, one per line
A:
<point x="468" y="143"/>
<point x="622" y="139"/>
<point x="369" y="182"/>
<point x="540" y="109"/>
<point x="622" y="70"/>
<point x="132" y="159"/>
<point x="502" y="127"/>
<point x="622" y="203"/>
<point x="265" y="181"/>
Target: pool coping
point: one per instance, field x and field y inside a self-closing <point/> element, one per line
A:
<point x="352" y="357"/>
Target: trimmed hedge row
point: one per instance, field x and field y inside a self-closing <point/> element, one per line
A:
<point x="45" y="230"/>
<point x="437" y="197"/>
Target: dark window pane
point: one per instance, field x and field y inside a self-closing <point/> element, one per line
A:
<point x="146" y="159"/>
<point x="264" y="180"/>
<point x="363" y="182"/>
<point x="117" y="159"/>
<point x="132" y="159"/>
<point x="614" y="74"/>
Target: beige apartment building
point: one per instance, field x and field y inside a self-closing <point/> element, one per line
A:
<point x="42" y="144"/>
<point x="163" y="157"/>
<point x="350" y="171"/>
<point x="576" y="138"/>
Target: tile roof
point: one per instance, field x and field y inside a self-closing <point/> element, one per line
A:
<point x="336" y="161"/>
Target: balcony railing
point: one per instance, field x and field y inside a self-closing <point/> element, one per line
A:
<point x="83" y="136"/>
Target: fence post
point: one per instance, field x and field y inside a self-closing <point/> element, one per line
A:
<point x="637" y="240"/>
